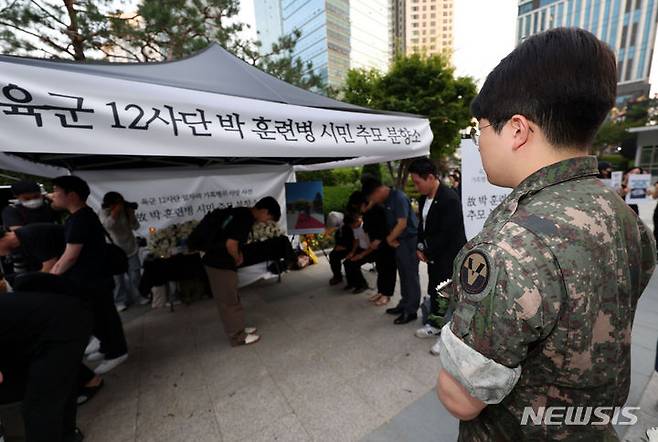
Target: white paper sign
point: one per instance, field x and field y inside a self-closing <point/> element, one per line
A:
<point x="616" y="179"/>
<point x="173" y="196"/>
<point x="637" y="187"/>
<point x="479" y="197"/>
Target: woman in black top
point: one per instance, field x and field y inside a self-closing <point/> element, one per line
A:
<point x="374" y="224"/>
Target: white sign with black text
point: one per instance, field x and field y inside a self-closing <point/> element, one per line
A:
<point x="479" y="197"/>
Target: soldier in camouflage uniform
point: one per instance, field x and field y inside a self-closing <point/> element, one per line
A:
<point x="546" y="293"/>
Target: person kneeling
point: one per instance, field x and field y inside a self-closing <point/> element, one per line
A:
<point x="363" y="251"/>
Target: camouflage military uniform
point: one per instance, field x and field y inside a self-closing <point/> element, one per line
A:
<point x="546" y="298"/>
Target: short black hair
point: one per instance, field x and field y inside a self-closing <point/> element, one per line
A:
<point x="564" y="80"/>
<point x="75" y="184"/>
<point x="271" y="205"/>
<point x="369" y="184"/>
<point x="23" y="187"/>
<point x="355" y="201"/>
<point x="349" y="218"/>
<point x="111" y="198"/>
<point x="423" y="167"/>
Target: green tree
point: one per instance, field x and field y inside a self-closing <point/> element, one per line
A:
<point x="614" y="133"/>
<point x="156" y="30"/>
<point x="418" y="85"/>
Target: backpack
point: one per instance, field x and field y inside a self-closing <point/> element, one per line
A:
<point x="208" y="233"/>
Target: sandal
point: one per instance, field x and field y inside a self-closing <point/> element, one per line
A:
<point x="382" y="301"/>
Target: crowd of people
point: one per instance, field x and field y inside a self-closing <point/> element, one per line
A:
<point x="379" y="225"/>
<point x="69" y="271"/>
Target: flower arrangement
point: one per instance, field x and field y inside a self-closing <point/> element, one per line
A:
<point x="166" y="242"/>
<point x="265" y="231"/>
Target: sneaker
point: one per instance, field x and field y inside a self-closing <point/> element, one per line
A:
<point x="95" y="356"/>
<point x="248" y="340"/>
<point x="93" y="346"/>
<point x="250" y="330"/>
<point x="436" y="348"/>
<point x="176" y="302"/>
<point x="251" y="339"/>
<point x="143" y="301"/>
<point x="110" y="364"/>
<point x="121" y="307"/>
<point x="427" y="331"/>
<point x="360" y="290"/>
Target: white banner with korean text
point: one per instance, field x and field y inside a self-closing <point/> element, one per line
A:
<point x="479" y="197"/>
<point x="54" y="111"/>
<point x="173" y="196"/>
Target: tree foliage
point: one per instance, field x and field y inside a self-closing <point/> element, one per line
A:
<point x="614" y="133"/>
<point x="419" y="85"/>
<point x="157" y="30"/>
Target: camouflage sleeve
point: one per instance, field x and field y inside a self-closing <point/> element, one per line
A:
<point x="509" y="297"/>
<point x="648" y="261"/>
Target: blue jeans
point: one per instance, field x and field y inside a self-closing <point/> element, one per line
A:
<point x="126" y="286"/>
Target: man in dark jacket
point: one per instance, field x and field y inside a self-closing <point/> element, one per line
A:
<point x="440" y="237"/>
<point x="222" y="235"/>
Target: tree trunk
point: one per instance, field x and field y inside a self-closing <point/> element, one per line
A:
<point x="76" y="40"/>
<point x="403" y="174"/>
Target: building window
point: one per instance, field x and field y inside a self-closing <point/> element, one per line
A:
<point x="433" y="16"/>
<point x="624" y="33"/>
<point x="433" y="24"/>
<point x="649" y="159"/>
<point x="629" y="5"/>
<point x="633" y="34"/>
<point x="433" y="7"/>
<point x="629" y="69"/>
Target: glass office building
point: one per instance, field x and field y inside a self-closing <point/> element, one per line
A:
<point x="268" y="22"/>
<point x="627" y="26"/>
<point x="336" y="34"/>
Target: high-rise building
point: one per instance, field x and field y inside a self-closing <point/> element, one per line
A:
<point x="268" y="23"/>
<point x="325" y="39"/>
<point x="422" y="26"/>
<point x="627" y="26"/>
<point x="397" y="28"/>
<point x="369" y="34"/>
<point x="336" y="34"/>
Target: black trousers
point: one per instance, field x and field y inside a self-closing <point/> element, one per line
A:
<point x="386" y="270"/>
<point x="107" y="323"/>
<point x="335" y="261"/>
<point x="438" y="307"/>
<point x="40" y="361"/>
<point x="353" y="273"/>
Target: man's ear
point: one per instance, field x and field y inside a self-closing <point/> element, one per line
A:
<point x="521" y="131"/>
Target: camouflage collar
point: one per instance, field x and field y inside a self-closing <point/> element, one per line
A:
<point x="558" y="173"/>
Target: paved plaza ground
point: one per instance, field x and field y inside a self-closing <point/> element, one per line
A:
<point x="330" y="367"/>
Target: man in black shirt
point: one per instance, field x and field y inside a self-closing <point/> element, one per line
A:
<point x="42" y="340"/>
<point x="84" y="264"/>
<point x="440" y="237"/>
<point x="43" y="243"/>
<point x="29" y="208"/>
<point x="227" y="230"/>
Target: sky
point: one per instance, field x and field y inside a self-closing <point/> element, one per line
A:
<point x="485" y="32"/>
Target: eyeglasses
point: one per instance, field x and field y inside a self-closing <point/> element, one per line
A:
<point x="475" y="134"/>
